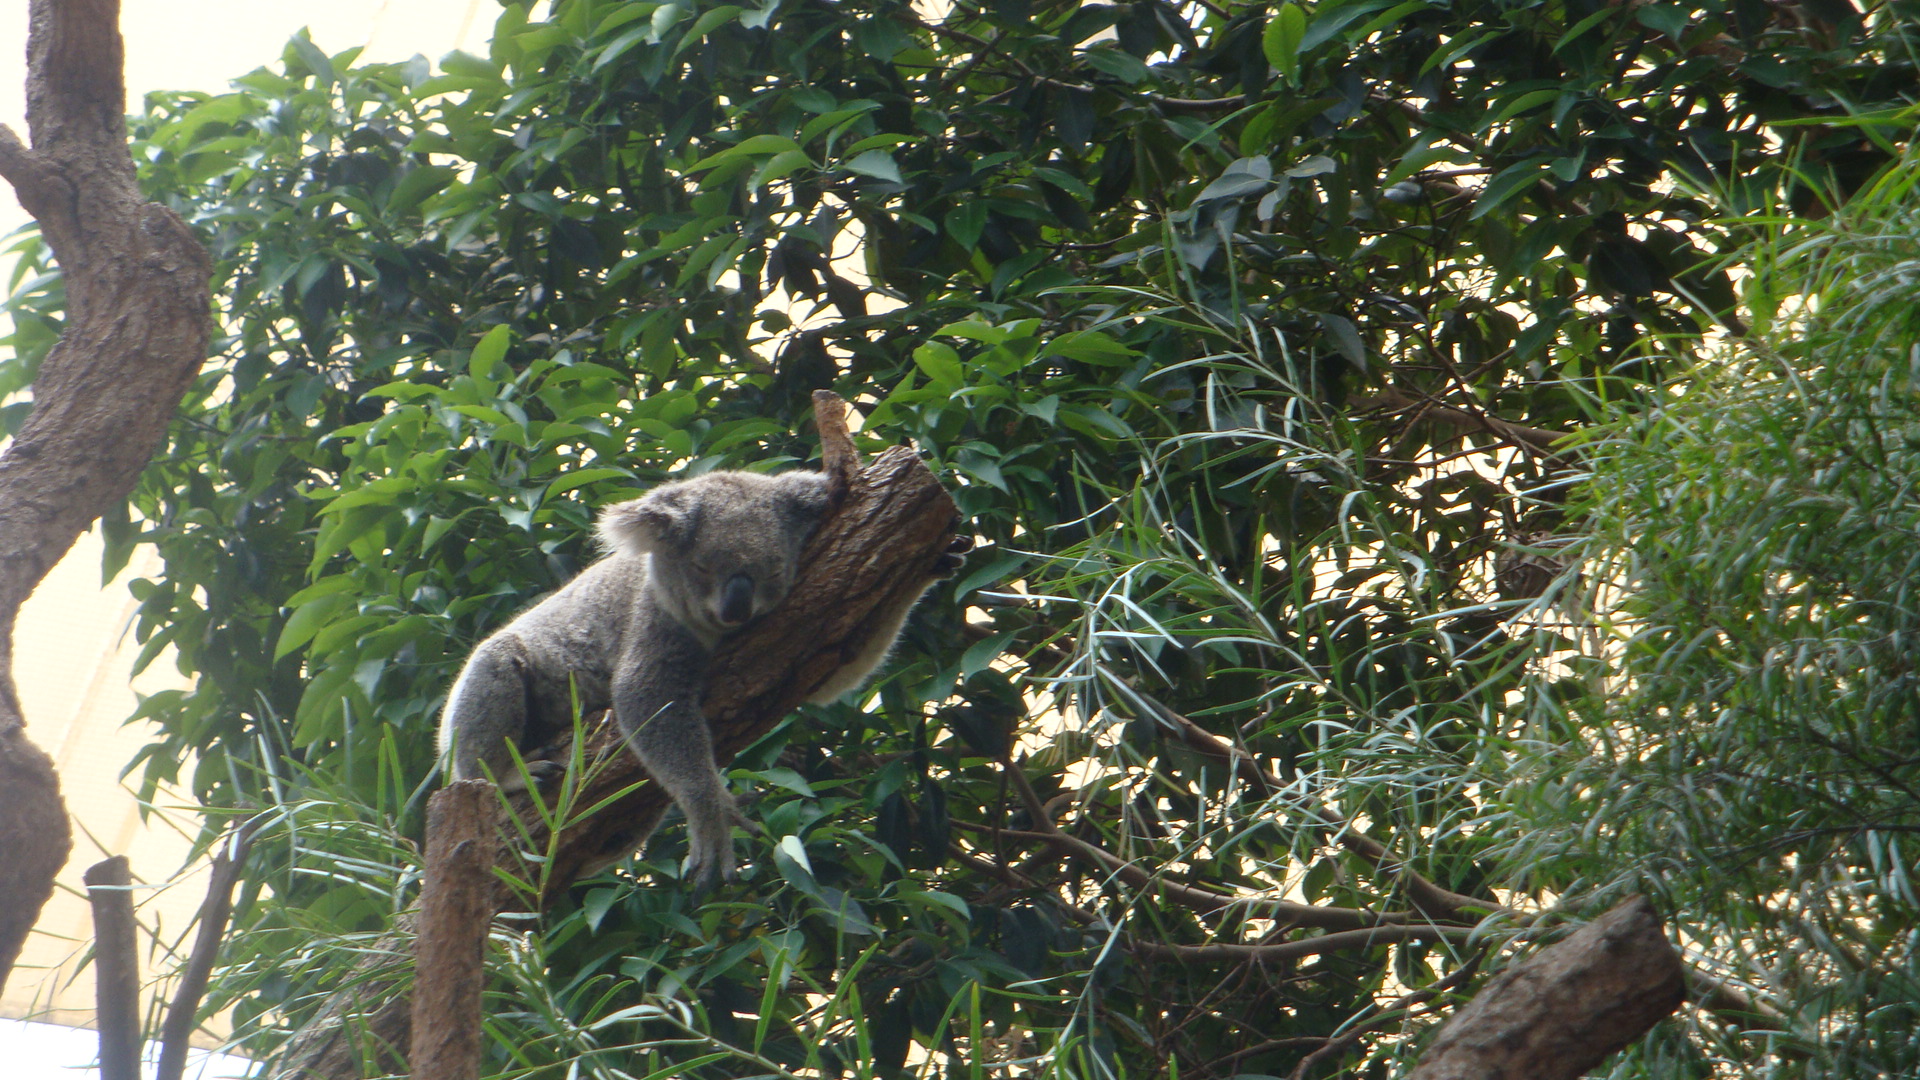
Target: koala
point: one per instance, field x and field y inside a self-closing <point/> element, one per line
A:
<point x="687" y="564"/>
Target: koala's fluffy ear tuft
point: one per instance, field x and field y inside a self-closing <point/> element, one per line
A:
<point x="644" y="524"/>
<point x="806" y="493"/>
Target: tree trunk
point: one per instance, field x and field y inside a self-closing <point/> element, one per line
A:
<point x="136" y="333"/>
<point x="879" y="545"/>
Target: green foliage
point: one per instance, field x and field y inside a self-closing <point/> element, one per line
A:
<point x="1755" y="759"/>
<point x="1137" y="277"/>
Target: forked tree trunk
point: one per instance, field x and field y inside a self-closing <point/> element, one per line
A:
<point x="136" y="333"/>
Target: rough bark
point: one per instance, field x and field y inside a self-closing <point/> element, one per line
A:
<point x="450" y="951"/>
<point x="1563" y="1011"/>
<point x="879" y="544"/>
<point x="116" y="968"/>
<point x="137" y="322"/>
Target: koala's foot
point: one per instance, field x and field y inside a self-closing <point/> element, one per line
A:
<point x="543" y="772"/>
<point x="707" y="872"/>
<point x="952" y="559"/>
<point x="710" y="860"/>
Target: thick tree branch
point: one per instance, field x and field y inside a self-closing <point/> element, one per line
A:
<point x="1564" y="1011"/>
<point x="136" y="332"/>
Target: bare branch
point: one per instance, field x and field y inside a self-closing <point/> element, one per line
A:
<point x="1540" y="442"/>
<point x="1430" y="899"/>
<point x="1393" y="1013"/>
<point x="183" y="1012"/>
<point x="1340" y="941"/>
<point x="838" y="457"/>
<point x="1201" y="900"/>
<point x="136" y="333"/>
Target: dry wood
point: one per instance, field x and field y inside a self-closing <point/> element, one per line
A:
<point x="879" y="545"/>
<point x="449" y="954"/>
<point x="116" y="968"/>
<point x="1563" y="1011"/>
<point x="136" y="333"/>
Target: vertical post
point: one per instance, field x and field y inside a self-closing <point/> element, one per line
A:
<point x="455" y="910"/>
<point x="116" y="968"/>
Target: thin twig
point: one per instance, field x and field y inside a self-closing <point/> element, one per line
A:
<point x="1396" y="1011"/>
<point x="184" y="1010"/>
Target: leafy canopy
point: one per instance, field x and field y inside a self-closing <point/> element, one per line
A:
<point x="1243" y="332"/>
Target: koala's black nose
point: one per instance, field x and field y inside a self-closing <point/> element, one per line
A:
<point x="736" y="600"/>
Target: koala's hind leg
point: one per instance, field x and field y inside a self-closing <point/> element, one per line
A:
<point x="487" y="709"/>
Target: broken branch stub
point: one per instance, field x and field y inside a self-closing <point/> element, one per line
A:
<point x="838" y="457"/>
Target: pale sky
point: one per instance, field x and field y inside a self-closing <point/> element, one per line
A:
<point x="201" y="44"/>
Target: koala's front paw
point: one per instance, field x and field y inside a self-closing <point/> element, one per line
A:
<point x="710" y="853"/>
<point x="952" y="559"/>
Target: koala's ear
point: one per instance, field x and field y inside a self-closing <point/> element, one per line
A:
<point x="805" y="494"/>
<point x="642" y="525"/>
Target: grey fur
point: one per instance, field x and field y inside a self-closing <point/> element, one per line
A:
<point x="688" y="563"/>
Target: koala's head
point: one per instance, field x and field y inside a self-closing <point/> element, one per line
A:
<point x="722" y="548"/>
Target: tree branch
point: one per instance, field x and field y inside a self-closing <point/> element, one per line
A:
<point x="1201" y="900"/>
<point x="1565" y="1010"/>
<point x="450" y="952"/>
<point x="1540" y="442"/>
<point x="1340" y="941"/>
<point x="1399" y="1010"/>
<point x="183" y="1012"/>
<point x="1429" y="899"/>
<point x="116" y="968"/>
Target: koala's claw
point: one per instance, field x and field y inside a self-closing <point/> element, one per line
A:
<point x="951" y="560"/>
<point x="706" y="875"/>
